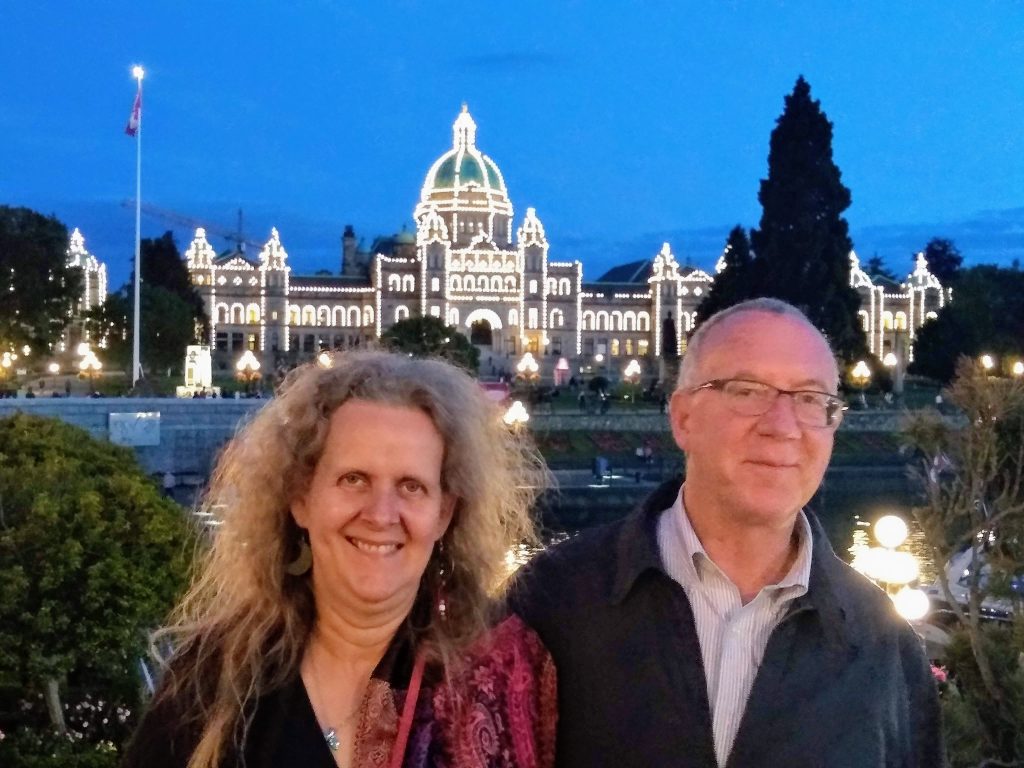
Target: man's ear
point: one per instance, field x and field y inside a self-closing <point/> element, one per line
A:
<point x="679" y="416"/>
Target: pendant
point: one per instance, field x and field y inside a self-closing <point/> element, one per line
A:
<point x="331" y="737"/>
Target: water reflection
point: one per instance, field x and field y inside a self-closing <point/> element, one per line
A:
<point x="520" y="555"/>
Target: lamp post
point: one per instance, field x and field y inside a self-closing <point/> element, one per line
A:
<point x="516" y="416"/>
<point x="90" y="366"/>
<point x="893" y="570"/>
<point x="6" y="361"/>
<point x="632" y="374"/>
<point x="247" y="369"/>
<point x="988" y="363"/>
<point x="861" y="376"/>
<point x="1018" y="369"/>
<point x="528" y="369"/>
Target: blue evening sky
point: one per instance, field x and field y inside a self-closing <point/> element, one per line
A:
<point x="622" y="123"/>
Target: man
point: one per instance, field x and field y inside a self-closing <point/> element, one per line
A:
<point x="715" y="626"/>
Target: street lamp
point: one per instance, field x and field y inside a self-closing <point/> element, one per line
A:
<point x="1018" y="368"/>
<point x="632" y="374"/>
<point x="90" y="366"/>
<point x="247" y="369"/>
<point x="527" y="368"/>
<point x="988" y="363"/>
<point x="516" y="416"/>
<point x="324" y="359"/>
<point x="861" y="375"/>
<point x="894" y="571"/>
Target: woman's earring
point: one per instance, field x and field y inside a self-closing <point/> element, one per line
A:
<point x="304" y="561"/>
<point x="442" y="578"/>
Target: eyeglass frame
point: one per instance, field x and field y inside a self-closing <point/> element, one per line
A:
<point x="832" y="422"/>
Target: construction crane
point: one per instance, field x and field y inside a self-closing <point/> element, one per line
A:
<point x="236" y="236"/>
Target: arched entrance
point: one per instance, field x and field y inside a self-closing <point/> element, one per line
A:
<point x="481" y="324"/>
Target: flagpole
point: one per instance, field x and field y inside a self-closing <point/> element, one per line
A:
<point x="138" y="73"/>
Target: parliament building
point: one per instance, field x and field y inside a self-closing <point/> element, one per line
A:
<point x="472" y="263"/>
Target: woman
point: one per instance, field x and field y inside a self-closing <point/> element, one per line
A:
<point x="343" y="613"/>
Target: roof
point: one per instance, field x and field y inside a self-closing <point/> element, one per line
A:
<point x="633" y="272"/>
<point x="464" y="166"/>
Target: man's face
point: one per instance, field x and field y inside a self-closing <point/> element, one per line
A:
<point x="754" y="470"/>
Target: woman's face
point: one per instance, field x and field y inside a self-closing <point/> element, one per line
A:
<point x="374" y="507"/>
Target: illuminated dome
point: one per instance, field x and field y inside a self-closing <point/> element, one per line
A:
<point x="466" y="188"/>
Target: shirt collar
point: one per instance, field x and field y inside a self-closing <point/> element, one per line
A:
<point x="684" y="538"/>
<point x="637" y="556"/>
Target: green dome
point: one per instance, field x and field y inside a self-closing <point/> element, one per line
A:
<point x="464" y="166"/>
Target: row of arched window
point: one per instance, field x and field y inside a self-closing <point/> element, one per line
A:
<point x="559" y="287"/>
<point x="471" y="283"/>
<point x="237" y="314"/>
<point x="399" y="283"/>
<point x="616" y="320"/>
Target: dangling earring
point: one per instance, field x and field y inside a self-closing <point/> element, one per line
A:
<point x="304" y="561"/>
<point x="442" y="579"/>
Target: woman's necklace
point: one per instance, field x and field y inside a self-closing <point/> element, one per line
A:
<point x="330" y="733"/>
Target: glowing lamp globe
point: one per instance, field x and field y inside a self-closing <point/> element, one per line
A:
<point x="911" y="604"/>
<point x="890" y="531"/>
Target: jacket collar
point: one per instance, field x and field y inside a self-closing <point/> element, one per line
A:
<point x="637" y="552"/>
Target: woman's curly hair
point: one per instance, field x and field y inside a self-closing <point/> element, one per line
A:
<point x="242" y="628"/>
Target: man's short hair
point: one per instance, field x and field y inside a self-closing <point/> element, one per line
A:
<point x="696" y="342"/>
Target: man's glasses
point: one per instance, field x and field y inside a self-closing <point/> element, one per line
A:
<point x="755" y="398"/>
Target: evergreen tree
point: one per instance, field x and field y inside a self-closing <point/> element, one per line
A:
<point x="944" y="259"/>
<point x="802" y="246"/>
<point x="163" y="267"/>
<point x="732" y="281"/>
<point x="875" y="267"/>
<point x="39" y="289"/>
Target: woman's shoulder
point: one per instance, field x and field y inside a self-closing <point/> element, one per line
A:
<point x="500" y="707"/>
<point x="509" y="648"/>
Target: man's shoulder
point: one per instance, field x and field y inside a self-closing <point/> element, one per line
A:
<point x="866" y="606"/>
<point x="571" y="573"/>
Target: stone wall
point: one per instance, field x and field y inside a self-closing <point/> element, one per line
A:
<point x="191" y="432"/>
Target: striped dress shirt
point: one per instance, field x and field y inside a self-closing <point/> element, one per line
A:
<point x="732" y="636"/>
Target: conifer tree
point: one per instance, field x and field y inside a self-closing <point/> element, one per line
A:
<point x="731" y="281"/>
<point x="802" y="245"/>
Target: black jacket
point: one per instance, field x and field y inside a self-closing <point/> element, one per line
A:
<point x="843" y="683"/>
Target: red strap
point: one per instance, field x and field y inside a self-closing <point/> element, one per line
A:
<point x="408" y="710"/>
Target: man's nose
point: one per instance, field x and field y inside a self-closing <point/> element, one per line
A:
<point x="381" y="507"/>
<point x="780" y="420"/>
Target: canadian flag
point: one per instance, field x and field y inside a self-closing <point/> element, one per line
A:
<point x="136" y="116"/>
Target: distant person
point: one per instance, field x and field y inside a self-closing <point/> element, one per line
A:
<point x="29" y="393"/>
<point x="169" y="482"/>
<point x="715" y="626"/>
<point x="346" y="612"/>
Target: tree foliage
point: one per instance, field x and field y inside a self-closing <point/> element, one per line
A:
<point x="985" y="316"/>
<point x="91" y="556"/>
<point x="731" y="281"/>
<point x="944" y="260"/>
<point x="802" y="244"/>
<point x="173" y="314"/>
<point x="39" y="289"/>
<point x="972" y="478"/>
<point x="430" y="337"/>
<point x="875" y="267"/>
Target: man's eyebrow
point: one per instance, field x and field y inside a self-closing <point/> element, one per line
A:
<point x="816" y="384"/>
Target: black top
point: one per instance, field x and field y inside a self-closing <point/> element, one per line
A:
<point x="843" y="682"/>
<point x="284" y="730"/>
